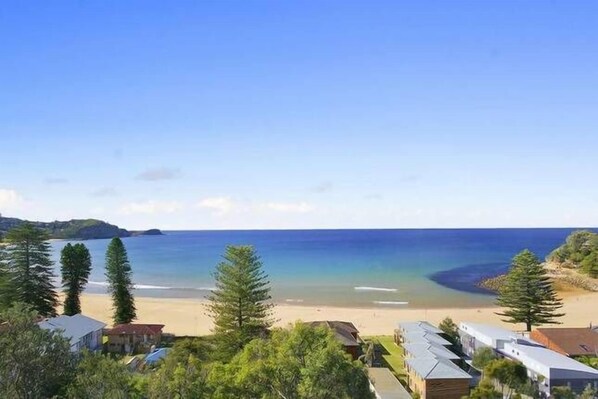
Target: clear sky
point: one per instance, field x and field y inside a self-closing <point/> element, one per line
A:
<point x="306" y="114"/>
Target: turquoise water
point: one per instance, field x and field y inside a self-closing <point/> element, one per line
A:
<point x="365" y="268"/>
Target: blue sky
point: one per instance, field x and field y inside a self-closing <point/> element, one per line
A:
<point x="307" y="114"/>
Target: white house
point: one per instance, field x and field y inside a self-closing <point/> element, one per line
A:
<point x="82" y="331"/>
<point x="544" y="366"/>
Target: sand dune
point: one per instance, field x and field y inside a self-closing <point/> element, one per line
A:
<point x="188" y="317"/>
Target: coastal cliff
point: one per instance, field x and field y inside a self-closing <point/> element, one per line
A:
<point x="81" y="229"/>
<point x="561" y="276"/>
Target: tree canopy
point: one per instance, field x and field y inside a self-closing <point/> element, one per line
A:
<point x="34" y="362"/>
<point x="300" y="363"/>
<point x="579" y="251"/>
<point x="98" y="377"/>
<point x="528" y="294"/>
<point x="120" y="285"/>
<point x="75" y="267"/>
<point x="28" y="267"/>
<point x="511" y="375"/>
<point x="240" y="304"/>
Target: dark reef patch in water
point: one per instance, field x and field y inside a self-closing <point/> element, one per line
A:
<point x="466" y="278"/>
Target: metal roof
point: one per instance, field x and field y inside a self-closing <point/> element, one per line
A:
<point x="386" y="385"/>
<point x="418" y="337"/>
<point x="423" y="350"/>
<point x="548" y="362"/>
<point x="418" y="326"/>
<point x="430" y="369"/>
<point x="72" y="327"/>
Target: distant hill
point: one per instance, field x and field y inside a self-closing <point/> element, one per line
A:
<point x="82" y="229"/>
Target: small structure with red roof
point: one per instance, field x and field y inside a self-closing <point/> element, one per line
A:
<point x="133" y="337"/>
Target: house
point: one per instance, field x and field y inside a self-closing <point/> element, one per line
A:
<point x="385" y="385"/>
<point x="433" y="370"/>
<point x="429" y="349"/>
<point x="133" y="337"/>
<point x="345" y="332"/>
<point x="82" y="331"/>
<point x="572" y="342"/>
<point x="435" y="378"/>
<point x="415" y="328"/>
<point x="545" y="367"/>
<point x="550" y="369"/>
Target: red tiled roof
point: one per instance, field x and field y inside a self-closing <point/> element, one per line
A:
<point x="569" y="341"/>
<point x="135" y="329"/>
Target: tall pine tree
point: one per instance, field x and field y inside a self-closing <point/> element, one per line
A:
<point x="75" y="263"/>
<point x="118" y="273"/>
<point x="240" y="304"/>
<point x="528" y="294"/>
<point x="29" y="268"/>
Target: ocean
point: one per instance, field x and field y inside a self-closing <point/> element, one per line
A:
<point x="400" y="268"/>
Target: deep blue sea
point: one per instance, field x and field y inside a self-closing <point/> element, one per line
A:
<point x="366" y="268"/>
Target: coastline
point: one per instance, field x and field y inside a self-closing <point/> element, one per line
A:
<point x="188" y="316"/>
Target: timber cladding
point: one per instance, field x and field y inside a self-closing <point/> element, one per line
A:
<point x="446" y="389"/>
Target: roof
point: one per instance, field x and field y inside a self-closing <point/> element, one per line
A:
<point x="157" y="355"/>
<point x="548" y="362"/>
<point x="343" y="330"/>
<point x="72" y="327"/>
<point x="436" y="369"/>
<point x="386" y="384"/>
<point x="429" y="350"/>
<point x="418" y="326"/>
<point x="571" y="341"/>
<point x="491" y="333"/>
<point x="423" y="338"/>
<point x="135" y="329"/>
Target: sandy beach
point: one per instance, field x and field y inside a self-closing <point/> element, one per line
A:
<point x="188" y="317"/>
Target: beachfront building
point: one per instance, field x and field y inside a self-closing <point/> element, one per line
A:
<point x="572" y="342"/>
<point x="435" y="378"/>
<point x="345" y="332"/>
<point x="415" y="328"/>
<point x="545" y="367"/>
<point x="82" y="331"/>
<point x="385" y="385"/>
<point x="432" y="368"/>
<point x="133" y="337"/>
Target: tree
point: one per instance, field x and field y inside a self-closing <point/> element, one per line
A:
<point x="528" y="293"/>
<point x="509" y="374"/>
<point x="34" y="362"/>
<point x="5" y="291"/>
<point x="450" y="329"/>
<point x="563" y="392"/>
<point x="482" y="357"/>
<point x="178" y="380"/>
<point x="118" y="273"/>
<point x="98" y="376"/>
<point x="588" y="393"/>
<point x="75" y="263"/>
<point x="239" y="306"/>
<point x="370" y="354"/>
<point x="300" y="363"/>
<point x="485" y="390"/>
<point x="29" y="267"/>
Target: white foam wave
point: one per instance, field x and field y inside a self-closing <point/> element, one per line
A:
<point x="375" y="289"/>
<point x="391" y="303"/>
<point x="294" y="300"/>
<point x="207" y="289"/>
<point x="153" y="287"/>
<point x="150" y="287"/>
<point x="100" y="283"/>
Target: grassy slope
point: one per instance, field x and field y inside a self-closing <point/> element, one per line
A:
<point x="392" y="354"/>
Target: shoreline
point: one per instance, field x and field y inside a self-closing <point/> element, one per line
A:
<point x="189" y="316"/>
